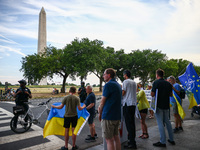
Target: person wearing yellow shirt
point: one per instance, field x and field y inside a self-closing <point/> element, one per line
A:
<point x="143" y="105"/>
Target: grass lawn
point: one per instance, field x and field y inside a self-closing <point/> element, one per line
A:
<point x="39" y="91"/>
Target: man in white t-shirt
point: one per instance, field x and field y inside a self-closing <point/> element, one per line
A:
<point x="129" y="104"/>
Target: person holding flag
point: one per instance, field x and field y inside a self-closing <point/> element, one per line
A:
<point x="176" y="88"/>
<point x="70" y="117"/>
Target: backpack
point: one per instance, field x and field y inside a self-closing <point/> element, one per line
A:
<point x="182" y="93"/>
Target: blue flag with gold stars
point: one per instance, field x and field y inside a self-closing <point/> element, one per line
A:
<point x="191" y="82"/>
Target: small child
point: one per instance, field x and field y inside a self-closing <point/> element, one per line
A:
<point x="71" y="102"/>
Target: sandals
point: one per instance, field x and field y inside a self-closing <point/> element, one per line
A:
<point x="151" y="117"/>
<point x="141" y="135"/>
<point x="145" y="137"/>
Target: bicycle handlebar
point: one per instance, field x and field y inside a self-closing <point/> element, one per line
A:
<point x="43" y="103"/>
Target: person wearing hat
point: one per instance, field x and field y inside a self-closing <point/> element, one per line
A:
<point x="82" y="92"/>
<point x="22" y="95"/>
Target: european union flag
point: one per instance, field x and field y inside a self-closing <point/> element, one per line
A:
<point x="191" y="82"/>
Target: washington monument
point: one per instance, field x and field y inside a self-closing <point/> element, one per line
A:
<point x="42" y="42"/>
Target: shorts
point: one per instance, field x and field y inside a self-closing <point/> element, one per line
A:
<point x="144" y="111"/>
<point x="91" y="118"/>
<point x="72" y="120"/>
<point x="175" y="108"/>
<point x="110" y="128"/>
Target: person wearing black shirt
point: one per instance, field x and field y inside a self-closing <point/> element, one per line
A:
<point x="90" y="106"/>
<point x="21" y="96"/>
<point x="82" y="92"/>
<point x="163" y="105"/>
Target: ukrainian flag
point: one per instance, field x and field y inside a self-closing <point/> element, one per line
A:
<point x="180" y="108"/>
<point x="55" y="121"/>
<point x="191" y="83"/>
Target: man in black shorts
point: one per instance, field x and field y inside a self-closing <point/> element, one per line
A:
<point x="71" y="102"/>
<point x="90" y="106"/>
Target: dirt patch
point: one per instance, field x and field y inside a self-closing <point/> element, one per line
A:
<point x="48" y="95"/>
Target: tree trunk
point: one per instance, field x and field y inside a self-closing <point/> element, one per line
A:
<point x="63" y="84"/>
<point x="101" y="81"/>
<point x="82" y="78"/>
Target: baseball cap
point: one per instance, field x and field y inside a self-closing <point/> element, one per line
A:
<point x="22" y="81"/>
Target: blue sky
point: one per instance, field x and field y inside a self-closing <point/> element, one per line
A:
<point x="172" y="26"/>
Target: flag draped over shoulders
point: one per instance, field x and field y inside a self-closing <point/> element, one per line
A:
<point x="191" y="83"/>
<point x="180" y="108"/>
<point x="55" y="121"/>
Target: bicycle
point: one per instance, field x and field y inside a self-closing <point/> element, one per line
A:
<point x="22" y="121"/>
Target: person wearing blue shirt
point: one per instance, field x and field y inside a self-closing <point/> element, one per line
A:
<point x="90" y="106"/>
<point x="110" y="110"/>
<point x="176" y="87"/>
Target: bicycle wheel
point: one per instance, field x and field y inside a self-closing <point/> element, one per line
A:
<point x="19" y="125"/>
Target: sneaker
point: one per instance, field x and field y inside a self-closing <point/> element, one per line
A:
<point x="64" y="148"/>
<point x="94" y="136"/>
<point x="75" y="147"/>
<point x="158" y="144"/>
<point x="171" y="142"/>
<point x="176" y="130"/>
<point x="130" y="146"/>
<point x="90" y="139"/>
<point x="180" y="128"/>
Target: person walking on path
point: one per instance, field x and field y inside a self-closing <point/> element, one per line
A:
<point x="110" y="110"/>
<point x="162" y="111"/>
<point x="176" y="87"/>
<point x="70" y="117"/>
<point x="82" y="92"/>
<point x="143" y="106"/>
<point x="129" y="88"/>
<point x="90" y="106"/>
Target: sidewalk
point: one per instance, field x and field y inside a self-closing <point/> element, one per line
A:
<point x="189" y="139"/>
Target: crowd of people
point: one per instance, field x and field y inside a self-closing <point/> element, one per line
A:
<point x="131" y="96"/>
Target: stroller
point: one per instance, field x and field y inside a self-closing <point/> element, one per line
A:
<point x="196" y="110"/>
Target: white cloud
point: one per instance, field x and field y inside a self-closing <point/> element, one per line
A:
<point x="6" y="40"/>
<point x="4" y="49"/>
<point x="171" y="26"/>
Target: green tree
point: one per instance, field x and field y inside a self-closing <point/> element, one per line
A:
<point x="60" y="62"/>
<point x="33" y="68"/>
<point x="197" y="69"/>
<point x="145" y="63"/>
<point x="121" y="62"/>
<point x="86" y="55"/>
<point x="107" y="61"/>
<point x="174" y="67"/>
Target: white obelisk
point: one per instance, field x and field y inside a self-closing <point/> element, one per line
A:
<point x="42" y="43"/>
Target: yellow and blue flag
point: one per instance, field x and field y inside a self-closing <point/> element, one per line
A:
<point x="180" y="108"/>
<point x="55" y="121"/>
<point x="191" y="83"/>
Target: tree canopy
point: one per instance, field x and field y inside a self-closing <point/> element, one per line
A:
<point x="83" y="56"/>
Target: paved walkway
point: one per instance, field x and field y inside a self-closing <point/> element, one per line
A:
<point x="32" y="140"/>
<point x="189" y="139"/>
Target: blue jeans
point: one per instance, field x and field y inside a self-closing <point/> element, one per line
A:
<point x="162" y="116"/>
